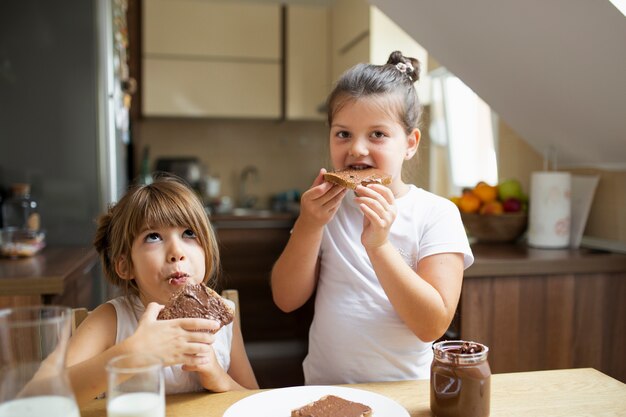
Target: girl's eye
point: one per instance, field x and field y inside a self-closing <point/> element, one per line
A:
<point x="189" y="233"/>
<point x="153" y="237"/>
<point x="343" y="134"/>
<point x="378" y="134"/>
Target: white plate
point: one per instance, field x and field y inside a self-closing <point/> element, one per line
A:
<point x="279" y="402"/>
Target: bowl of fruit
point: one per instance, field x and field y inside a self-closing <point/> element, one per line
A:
<point x="494" y="213"/>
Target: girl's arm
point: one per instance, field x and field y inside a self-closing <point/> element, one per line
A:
<point x="93" y="345"/>
<point x="425" y="299"/>
<point x="85" y="358"/>
<point x="239" y="376"/>
<point x="294" y="275"/>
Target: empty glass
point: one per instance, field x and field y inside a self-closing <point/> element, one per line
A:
<point x="33" y="346"/>
<point x="135" y="386"/>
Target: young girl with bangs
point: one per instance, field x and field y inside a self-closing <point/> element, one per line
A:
<point x="156" y="239"/>
<point x="385" y="263"/>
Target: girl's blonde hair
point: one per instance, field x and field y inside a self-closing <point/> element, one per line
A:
<point x="167" y="202"/>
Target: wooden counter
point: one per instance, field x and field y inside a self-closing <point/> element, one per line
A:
<point x="563" y="393"/>
<point x="55" y="275"/>
<point x="546" y="309"/>
<point x="510" y="260"/>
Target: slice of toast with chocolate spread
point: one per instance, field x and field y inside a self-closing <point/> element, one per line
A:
<point x="197" y="301"/>
<point x="351" y="178"/>
<point x="331" y="406"/>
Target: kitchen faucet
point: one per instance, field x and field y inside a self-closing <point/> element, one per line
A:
<point x="250" y="172"/>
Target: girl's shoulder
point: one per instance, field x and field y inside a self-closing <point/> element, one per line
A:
<point x="104" y="314"/>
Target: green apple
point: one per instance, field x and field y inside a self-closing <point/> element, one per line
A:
<point x="510" y="188"/>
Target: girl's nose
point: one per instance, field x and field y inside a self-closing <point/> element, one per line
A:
<point x="177" y="257"/>
<point x="358" y="148"/>
<point x="176" y="254"/>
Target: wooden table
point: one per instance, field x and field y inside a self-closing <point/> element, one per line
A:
<point x="58" y="274"/>
<point x="566" y="392"/>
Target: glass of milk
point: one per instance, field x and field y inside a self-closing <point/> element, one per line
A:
<point x="33" y="378"/>
<point x="135" y="386"/>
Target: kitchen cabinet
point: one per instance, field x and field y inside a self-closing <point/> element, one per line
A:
<point x="211" y="59"/>
<point x="307" y="61"/>
<point x="546" y="309"/>
<point x="276" y="342"/>
<point x="362" y="33"/>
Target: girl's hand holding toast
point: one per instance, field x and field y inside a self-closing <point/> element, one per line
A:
<point x="211" y="375"/>
<point x="378" y="205"/>
<point x="319" y="203"/>
<point x="175" y="341"/>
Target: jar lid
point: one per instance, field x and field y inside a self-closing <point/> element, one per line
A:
<point x="460" y="352"/>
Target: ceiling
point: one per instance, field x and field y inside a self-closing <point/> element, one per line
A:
<point x="555" y="71"/>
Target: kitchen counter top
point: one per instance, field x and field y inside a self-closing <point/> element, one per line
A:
<point x="253" y="219"/>
<point x="44" y="273"/>
<point x="567" y="392"/>
<point x="519" y="259"/>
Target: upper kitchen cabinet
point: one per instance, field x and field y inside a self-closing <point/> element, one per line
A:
<point x="211" y="59"/>
<point x="308" y="79"/>
<point x="362" y="33"/>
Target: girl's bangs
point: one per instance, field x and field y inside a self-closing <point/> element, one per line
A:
<point x="165" y="210"/>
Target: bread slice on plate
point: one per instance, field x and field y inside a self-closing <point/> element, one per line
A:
<point x="332" y="406"/>
<point x="351" y="178"/>
<point x="197" y="301"/>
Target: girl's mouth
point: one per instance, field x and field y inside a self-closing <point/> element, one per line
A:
<point x="178" y="278"/>
<point x="359" y="166"/>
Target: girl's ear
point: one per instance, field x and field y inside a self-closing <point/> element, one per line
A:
<point x="413" y="141"/>
<point x="122" y="269"/>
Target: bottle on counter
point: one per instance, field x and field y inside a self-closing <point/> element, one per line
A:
<point x="20" y="210"/>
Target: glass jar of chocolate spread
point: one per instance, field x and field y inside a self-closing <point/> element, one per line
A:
<point x="460" y="379"/>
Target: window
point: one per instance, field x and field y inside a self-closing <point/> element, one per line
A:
<point x="463" y="136"/>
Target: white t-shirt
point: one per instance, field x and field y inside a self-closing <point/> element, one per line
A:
<point x="356" y="335"/>
<point x="130" y="309"/>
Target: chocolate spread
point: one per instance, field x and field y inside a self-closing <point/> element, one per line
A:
<point x="333" y="406"/>
<point x="460" y="380"/>
<point x="350" y="178"/>
<point x="197" y="301"/>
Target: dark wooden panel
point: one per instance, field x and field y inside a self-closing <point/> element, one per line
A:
<point x="532" y="323"/>
<point x="614" y="346"/>
<point x="559" y="311"/>
<point x="19" y="301"/>
<point x="548" y="322"/>
<point x="276" y="342"/>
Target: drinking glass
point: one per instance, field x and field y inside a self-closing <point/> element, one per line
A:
<point x="135" y="386"/>
<point x="33" y="378"/>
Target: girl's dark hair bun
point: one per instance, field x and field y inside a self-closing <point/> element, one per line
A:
<point x="413" y="65"/>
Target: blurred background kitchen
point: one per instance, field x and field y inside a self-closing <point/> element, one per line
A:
<point x="230" y="95"/>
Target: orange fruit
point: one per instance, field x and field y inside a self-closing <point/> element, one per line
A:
<point x="485" y="192"/>
<point x="469" y="202"/>
<point x="492" y="208"/>
<point x="455" y="200"/>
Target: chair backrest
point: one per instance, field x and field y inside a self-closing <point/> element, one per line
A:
<point x="233" y="295"/>
<point x="78" y="315"/>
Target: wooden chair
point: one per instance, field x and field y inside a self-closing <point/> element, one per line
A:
<point x="233" y="295"/>
<point x="80" y="314"/>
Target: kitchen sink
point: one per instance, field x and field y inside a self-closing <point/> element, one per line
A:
<point x="250" y="212"/>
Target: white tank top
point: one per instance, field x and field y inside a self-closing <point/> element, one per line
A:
<point x="129" y="309"/>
